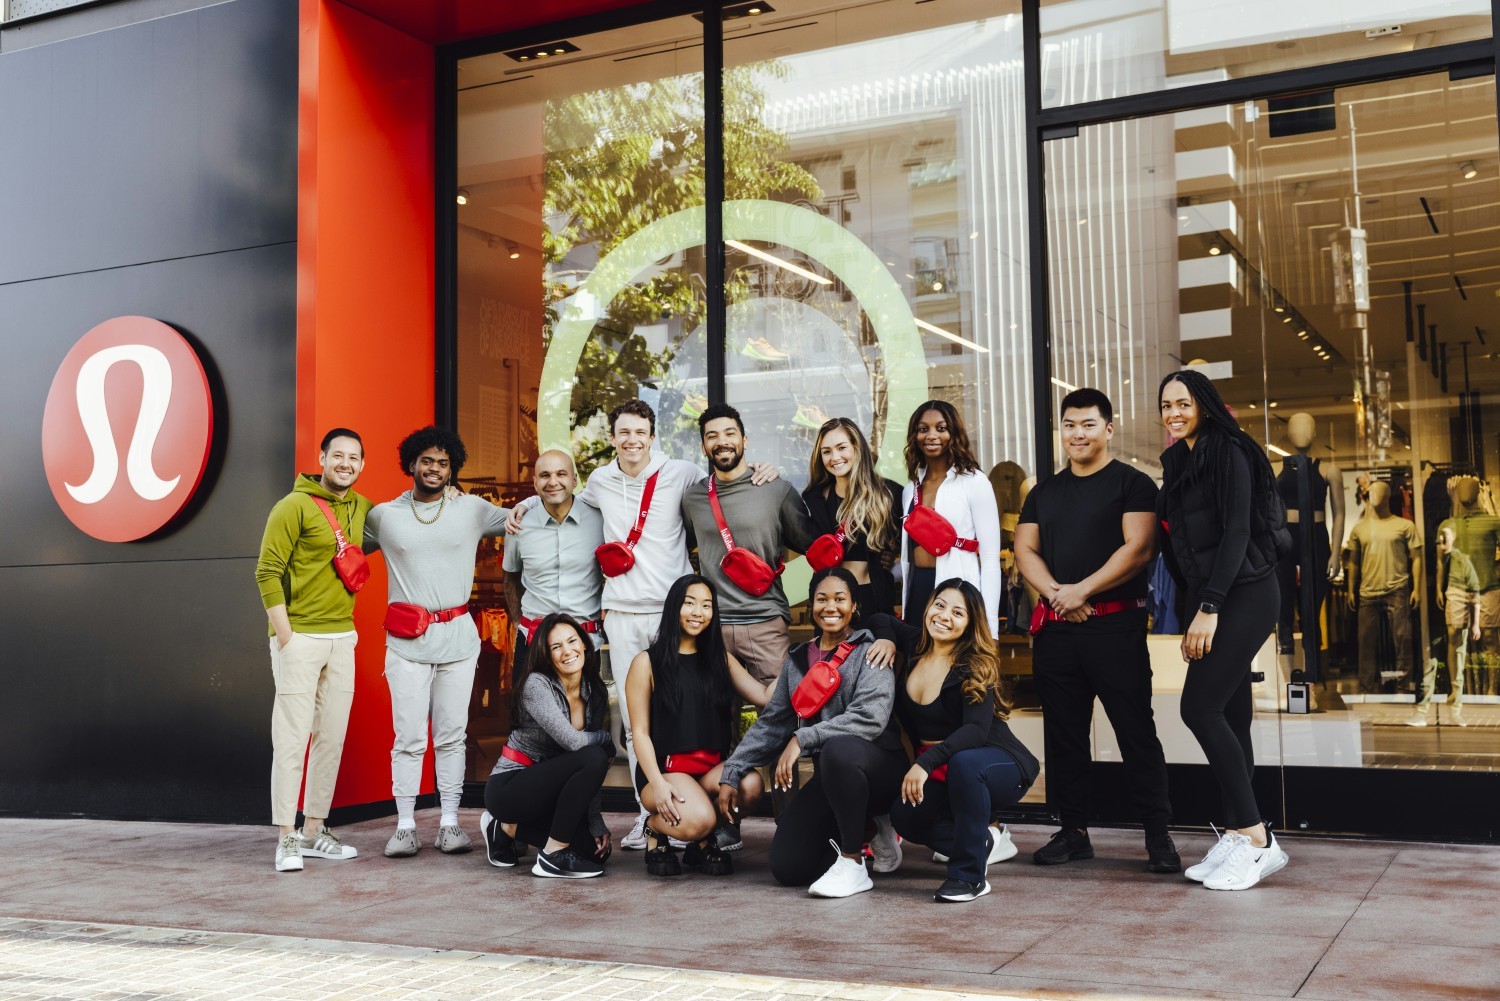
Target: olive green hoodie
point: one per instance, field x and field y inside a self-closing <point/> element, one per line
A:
<point x="295" y="568"/>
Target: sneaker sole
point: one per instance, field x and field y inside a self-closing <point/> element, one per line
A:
<point x="885" y="868"/>
<point x="1276" y="866"/>
<point x="840" y="896"/>
<point x="464" y="850"/>
<point x="963" y="899"/>
<point x="283" y="867"/>
<point x="309" y="853"/>
<point x="724" y="868"/>
<point x="399" y="853"/>
<point x="539" y="870"/>
<point x="1163" y="867"/>
<point x="664" y="870"/>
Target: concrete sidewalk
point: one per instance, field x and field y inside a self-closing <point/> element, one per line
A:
<point x="1345" y="920"/>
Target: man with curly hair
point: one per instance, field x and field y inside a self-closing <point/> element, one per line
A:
<point x="430" y="536"/>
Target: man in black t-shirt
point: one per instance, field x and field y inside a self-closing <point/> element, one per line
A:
<point x="1084" y="542"/>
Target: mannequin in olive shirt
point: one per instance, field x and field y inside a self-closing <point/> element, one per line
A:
<point x="1385" y="579"/>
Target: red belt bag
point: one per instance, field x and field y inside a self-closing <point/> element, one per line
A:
<point x="528" y="626"/>
<point x="348" y="562"/>
<point x="1043" y="613"/>
<point x="819" y="683"/>
<point x="509" y="752"/>
<point x="616" y="558"/>
<point x="410" y="621"/>
<point x="693" y="762"/>
<point x="748" y="571"/>
<point x="826" y="550"/>
<point x="931" y="530"/>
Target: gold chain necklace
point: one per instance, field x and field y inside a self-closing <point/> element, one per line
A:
<point x="441" y="504"/>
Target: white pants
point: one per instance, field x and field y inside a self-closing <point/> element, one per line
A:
<point x="440" y="691"/>
<point x="628" y="633"/>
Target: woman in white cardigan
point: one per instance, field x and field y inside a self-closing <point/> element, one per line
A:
<point x="944" y="476"/>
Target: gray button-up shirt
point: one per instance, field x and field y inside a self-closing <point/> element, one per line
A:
<point x="556" y="562"/>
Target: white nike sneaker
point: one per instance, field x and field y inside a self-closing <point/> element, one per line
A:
<point x="844" y="878"/>
<point x="1002" y="848"/>
<point x="1211" y="862"/>
<point x="1247" y="865"/>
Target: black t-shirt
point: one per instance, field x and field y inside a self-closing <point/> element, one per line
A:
<point x="1079" y="519"/>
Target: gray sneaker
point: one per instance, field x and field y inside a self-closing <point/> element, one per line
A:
<point x="452" y="840"/>
<point x="326" y="844"/>
<point x="403" y="843"/>
<point x="289" y="854"/>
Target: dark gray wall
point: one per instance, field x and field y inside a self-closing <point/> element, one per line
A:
<point x="147" y="169"/>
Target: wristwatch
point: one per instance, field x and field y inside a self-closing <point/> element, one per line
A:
<point x="1209" y="608"/>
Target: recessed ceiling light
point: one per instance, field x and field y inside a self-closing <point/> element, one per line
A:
<point x="1215" y="250"/>
<point x="463" y="196"/>
<point x="531" y="52"/>
<point x="1272" y="404"/>
<point x="1468" y="169"/>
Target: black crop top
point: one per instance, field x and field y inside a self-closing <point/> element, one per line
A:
<point x="1317" y="486"/>
<point x="823" y="506"/>
<point x="697" y="725"/>
<point x="924" y="722"/>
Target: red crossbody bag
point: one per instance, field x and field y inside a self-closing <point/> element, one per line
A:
<point x="348" y="562"/>
<point x="931" y="530"/>
<point x="748" y="571"/>
<point x="693" y="762"/>
<point x="827" y="550"/>
<point x="819" y="683"/>
<point x="616" y="558"/>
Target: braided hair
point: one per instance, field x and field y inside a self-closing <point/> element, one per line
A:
<point x="1218" y="433"/>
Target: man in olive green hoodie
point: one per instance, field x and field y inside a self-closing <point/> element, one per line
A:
<point x="312" y="644"/>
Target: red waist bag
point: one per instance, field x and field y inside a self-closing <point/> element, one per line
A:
<point x="410" y="621"/>
<point x="348" y="562"/>
<point x="826" y="550"/>
<point x="693" y="762"/>
<point x="931" y="530"/>
<point x="616" y="558"/>
<point x="819" y="683"/>
<point x="748" y="571"/>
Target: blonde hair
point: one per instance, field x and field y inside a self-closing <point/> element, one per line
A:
<point x="976" y="654"/>
<point x="866" y="509"/>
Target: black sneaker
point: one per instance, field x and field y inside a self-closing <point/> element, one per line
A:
<point x="565" y="863"/>
<point x="661" y="859"/>
<point x="956" y="891"/>
<point x="707" y="859"/>
<point x="1065" y="846"/>
<point x="727" y="838"/>
<point x="1161" y="854"/>
<point x="499" y="847"/>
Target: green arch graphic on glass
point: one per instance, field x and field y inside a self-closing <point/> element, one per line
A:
<point x="804" y="230"/>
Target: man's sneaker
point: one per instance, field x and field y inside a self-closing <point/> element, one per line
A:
<point x="707" y="859"/>
<point x="956" y="891"/>
<point x="844" y="878"/>
<point x="1161" y="854"/>
<point x="1418" y="717"/>
<point x="403" y="843"/>
<point x="565" y="863"/>
<point x="1456" y="718"/>
<point x="289" y="853"/>
<point x="636" y="840"/>
<point x="1065" y="846"/>
<point x="662" y="860"/>
<point x="1211" y="861"/>
<point x="1002" y="848"/>
<point x="326" y="844"/>
<point x="885" y="846"/>
<point x="1247" y="865"/>
<point x="727" y="838"/>
<point x="499" y="847"/>
<point x="452" y="840"/>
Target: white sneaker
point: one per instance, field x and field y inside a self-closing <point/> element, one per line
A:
<point x="885" y="845"/>
<point x="635" y="841"/>
<point x="1456" y="718"/>
<point x="1247" y="865"/>
<point x="289" y="854"/>
<point x="1215" y="858"/>
<point x="1001" y="846"/>
<point x="1417" y="718"/>
<point x="326" y="844"/>
<point x="844" y="878"/>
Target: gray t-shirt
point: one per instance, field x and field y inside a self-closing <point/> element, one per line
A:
<point x="767" y="520"/>
<point x="433" y="566"/>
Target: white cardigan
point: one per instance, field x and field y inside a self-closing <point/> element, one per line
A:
<point x="968" y="502"/>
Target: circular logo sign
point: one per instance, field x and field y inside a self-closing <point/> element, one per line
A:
<point x="127" y="429"/>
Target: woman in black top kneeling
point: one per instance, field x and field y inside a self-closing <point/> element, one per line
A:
<point x="953" y="707"/>
<point x="681" y="692"/>
<point x="546" y="784"/>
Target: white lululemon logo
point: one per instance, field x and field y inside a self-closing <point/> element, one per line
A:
<point x="131" y="385"/>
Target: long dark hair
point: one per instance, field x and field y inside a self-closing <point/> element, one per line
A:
<point x="539" y="660"/>
<point x="666" y="659"/>
<point x="976" y="655"/>
<point x="960" y="452"/>
<point x="1218" y="433"/>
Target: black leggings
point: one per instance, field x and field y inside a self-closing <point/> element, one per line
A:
<point x="1216" y="701"/>
<point x="550" y="798"/>
<point x="921" y="582"/>
<point x="853" y="780"/>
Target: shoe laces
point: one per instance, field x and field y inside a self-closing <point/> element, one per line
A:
<point x="1240" y="850"/>
<point x="326" y="839"/>
<point x="291" y="844"/>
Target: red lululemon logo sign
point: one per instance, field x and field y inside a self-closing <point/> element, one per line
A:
<point x="127" y="429"/>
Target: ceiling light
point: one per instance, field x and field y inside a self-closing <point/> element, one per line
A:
<point x="463" y="196"/>
<point x="1215" y="250"/>
<point x="1468" y="169"/>
<point x="931" y="328"/>
<point x="1280" y="308"/>
<point x="937" y="286"/>
<point x="1065" y="387"/>
<point x="541" y="51"/>
<point x="513" y="248"/>
<point x="1302" y="334"/>
<point x="1278" y="451"/>
<point x="779" y="262"/>
<point x="1252" y="405"/>
<point x="1286" y="319"/>
<point x="1272" y="404"/>
<point x="735" y="11"/>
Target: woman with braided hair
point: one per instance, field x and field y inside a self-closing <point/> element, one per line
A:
<point x="1217" y="506"/>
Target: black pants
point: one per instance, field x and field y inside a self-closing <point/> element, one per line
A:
<point x="1216" y="702"/>
<point x="1389" y="614"/>
<point x="1071" y="668"/>
<point x="853" y="780"/>
<point x="550" y="798"/>
<point x="921" y="582"/>
<point x="1314" y="574"/>
<point x="954" y="816"/>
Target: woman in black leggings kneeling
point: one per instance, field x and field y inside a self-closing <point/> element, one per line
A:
<point x="1216" y="506"/>
<point x="857" y="755"/>
<point x="546" y="784"/>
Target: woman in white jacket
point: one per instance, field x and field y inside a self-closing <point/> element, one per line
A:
<point x="945" y="476"/>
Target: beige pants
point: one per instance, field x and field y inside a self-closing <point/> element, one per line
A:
<point x="760" y="647"/>
<point x="314" y="690"/>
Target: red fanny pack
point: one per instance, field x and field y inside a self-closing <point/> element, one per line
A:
<point x="509" y="752"/>
<point x="616" y="558"/>
<point x="528" y="626"/>
<point x="1043" y="613"/>
<point x="931" y="530"/>
<point x="410" y="621"/>
<point x="348" y="562"/>
<point x="748" y="571"/>
<point x="827" y="550"/>
<point x="694" y="762"/>
<point x="819" y="683"/>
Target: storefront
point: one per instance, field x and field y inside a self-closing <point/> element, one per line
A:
<point x="813" y="209"/>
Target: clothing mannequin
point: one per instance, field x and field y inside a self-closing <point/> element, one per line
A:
<point x="1458" y="597"/>
<point x="1311" y="489"/>
<point x="1385" y="581"/>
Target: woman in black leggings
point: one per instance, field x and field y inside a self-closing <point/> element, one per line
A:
<point x="1218" y="508"/>
<point x="546" y="784"/>
<point x="858" y="760"/>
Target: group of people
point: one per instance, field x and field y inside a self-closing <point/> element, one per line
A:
<point x="904" y="716"/>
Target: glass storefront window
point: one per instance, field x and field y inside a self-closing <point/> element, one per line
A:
<point x="1093" y="50"/>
